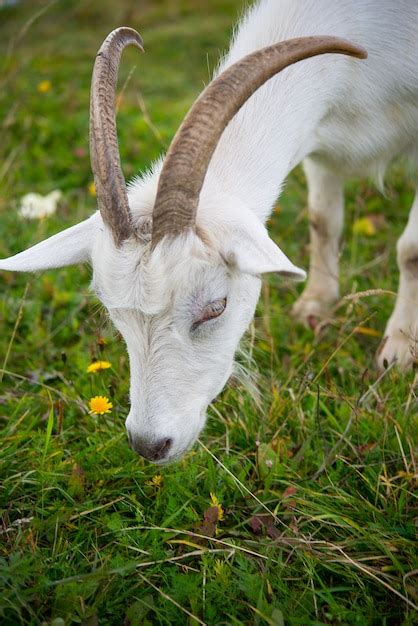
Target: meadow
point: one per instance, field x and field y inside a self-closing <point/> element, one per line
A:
<point x="297" y="505"/>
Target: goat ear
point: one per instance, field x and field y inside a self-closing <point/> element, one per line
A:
<point x="251" y="251"/>
<point x="68" y="247"/>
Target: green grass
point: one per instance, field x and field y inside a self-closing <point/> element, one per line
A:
<point x="315" y="478"/>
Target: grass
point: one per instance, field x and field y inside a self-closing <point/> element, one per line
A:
<point x="315" y="478"/>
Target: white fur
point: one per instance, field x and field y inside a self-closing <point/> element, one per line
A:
<point x="349" y="117"/>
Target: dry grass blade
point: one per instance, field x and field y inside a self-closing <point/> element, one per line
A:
<point x="21" y="34"/>
<point x="369" y="572"/>
<point x="96" y="508"/>
<point x="367" y="294"/>
<point x="17" y="322"/>
<point x="119" y="98"/>
<point x="340" y="345"/>
<point x="148" y="121"/>
<point x="377" y="382"/>
<point x="190" y="533"/>
<point x="170" y="599"/>
<point x="58" y="393"/>
<point x="180" y="557"/>
<point x="125" y="569"/>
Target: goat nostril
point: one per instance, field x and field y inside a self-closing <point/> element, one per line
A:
<point x="162" y="452"/>
<point x="151" y="450"/>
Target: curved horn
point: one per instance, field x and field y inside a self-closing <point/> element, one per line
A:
<point x="104" y="150"/>
<point x="191" y="150"/>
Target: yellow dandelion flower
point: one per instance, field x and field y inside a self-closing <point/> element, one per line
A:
<point x="44" y="86"/>
<point x="364" y="226"/>
<point x="97" y="366"/>
<point x="99" y="405"/>
<point x="156" y="481"/>
<point x="215" y="502"/>
<point x="92" y="189"/>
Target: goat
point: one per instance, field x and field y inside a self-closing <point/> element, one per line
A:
<point x="177" y="255"/>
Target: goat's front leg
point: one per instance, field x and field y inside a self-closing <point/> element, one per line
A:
<point x="400" y="342"/>
<point x="326" y="213"/>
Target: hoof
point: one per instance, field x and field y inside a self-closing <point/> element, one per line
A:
<point x="397" y="348"/>
<point x="311" y="311"/>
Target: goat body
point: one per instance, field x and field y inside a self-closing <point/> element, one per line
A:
<point x="183" y="306"/>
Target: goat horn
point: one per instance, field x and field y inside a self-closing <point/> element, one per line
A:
<point x="104" y="150"/>
<point x="191" y="150"/>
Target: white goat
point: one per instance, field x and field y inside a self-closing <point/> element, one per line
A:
<point x="177" y="259"/>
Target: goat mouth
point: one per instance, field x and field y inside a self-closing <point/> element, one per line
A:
<point x="169" y="460"/>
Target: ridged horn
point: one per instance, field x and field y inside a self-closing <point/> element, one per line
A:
<point x="191" y="150"/>
<point x="109" y="181"/>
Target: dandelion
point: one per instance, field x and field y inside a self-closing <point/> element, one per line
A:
<point x="44" y="86"/>
<point x="98" y="366"/>
<point x="156" y="481"/>
<point x="215" y="502"/>
<point x="364" y="226"/>
<point x="99" y="405"/>
<point x="35" y="206"/>
<point x="92" y="189"/>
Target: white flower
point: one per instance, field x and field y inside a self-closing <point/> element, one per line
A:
<point x="35" y="206"/>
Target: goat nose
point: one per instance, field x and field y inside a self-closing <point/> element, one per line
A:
<point x="150" y="449"/>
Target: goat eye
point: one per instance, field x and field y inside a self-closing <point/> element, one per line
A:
<point x="210" y="312"/>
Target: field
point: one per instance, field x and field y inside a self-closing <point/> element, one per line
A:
<point x="296" y="506"/>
